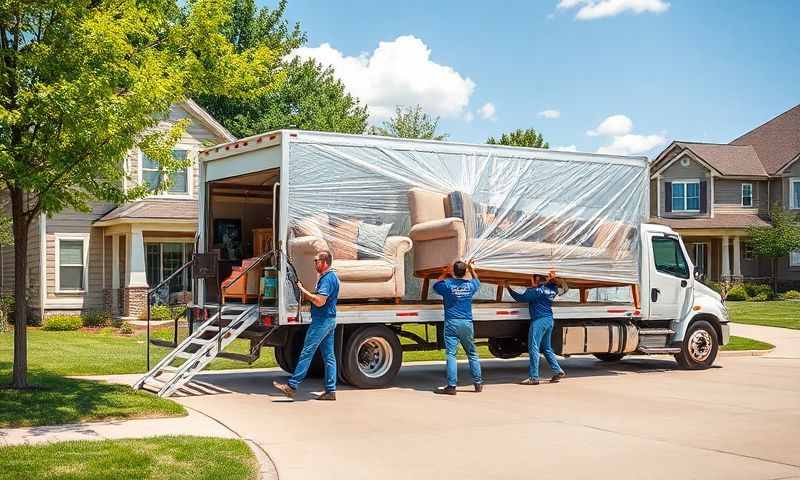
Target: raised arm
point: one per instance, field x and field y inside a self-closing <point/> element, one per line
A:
<point x="317" y="299"/>
<point x="471" y="269"/>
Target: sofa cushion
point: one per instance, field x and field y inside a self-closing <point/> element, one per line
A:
<point x="425" y="205"/>
<point x="363" y="270"/>
<point x="343" y="239"/>
<point x="371" y="239"/>
<point x="312" y="226"/>
<point x="459" y="205"/>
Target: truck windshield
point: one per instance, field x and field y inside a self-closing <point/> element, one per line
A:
<point x="669" y="258"/>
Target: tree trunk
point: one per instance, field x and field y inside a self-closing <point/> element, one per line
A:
<point x="20" y="224"/>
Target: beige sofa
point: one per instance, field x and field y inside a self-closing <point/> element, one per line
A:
<point x="381" y="278"/>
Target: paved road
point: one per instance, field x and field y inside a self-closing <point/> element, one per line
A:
<point x="641" y="418"/>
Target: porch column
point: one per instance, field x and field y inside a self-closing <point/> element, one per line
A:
<point x="134" y="296"/>
<point x="115" y="274"/>
<point x="737" y="258"/>
<point x="725" y="272"/>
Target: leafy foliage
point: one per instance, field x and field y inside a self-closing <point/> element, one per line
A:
<point x="96" y="318"/>
<point x="756" y="289"/>
<point x="737" y="293"/>
<point x="779" y="239"/>
<point x="62" y="323"/>
<point x="791" y="295"/>
<point x="520" y="138"/>
<point x="761" y="297"/>
<point x="410" y="122"/>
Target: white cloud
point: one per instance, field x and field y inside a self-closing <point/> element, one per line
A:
<point x="487" y="111"/>
<point x="594" y="9"/>
<point x="398" y="72"/>
<point x="469" y="116"/>
<point x="566" y="148"/>
<point x="613" y="126"/>
<point x="632" y="144"/>
<point x="549" y="114"/>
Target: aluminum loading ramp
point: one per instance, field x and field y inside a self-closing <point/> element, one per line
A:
<point x="198" y="350"/>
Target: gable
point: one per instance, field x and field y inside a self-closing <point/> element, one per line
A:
<point x="685" y="166"/>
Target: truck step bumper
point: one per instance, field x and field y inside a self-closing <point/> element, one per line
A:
<point x="659" y="350"/>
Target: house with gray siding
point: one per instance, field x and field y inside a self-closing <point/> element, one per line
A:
<point x="710" y="193"/>
<point x="108" y="258"/>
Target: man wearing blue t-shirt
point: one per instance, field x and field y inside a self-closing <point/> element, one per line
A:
<point x="540" y="300"/>
<point x="320" y="333"/>
<point x="457" y="293"/>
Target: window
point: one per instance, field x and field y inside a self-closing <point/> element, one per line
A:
<point x="794" y="193"/>
<point x="747" y="194"/>
<point x="71" y="257"/>
<point x="747" y="251"/>
<point x="669" y="258"/>
<point x="794" y="259"/>
<point x="686" y="196"/>
<point x="162" y="259"/>
<point x="153" y="175"/>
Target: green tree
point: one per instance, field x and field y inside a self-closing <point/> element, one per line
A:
<point x="84" y="81"/>
<point x="520" y="138"/>
<point x="311" y="98"/>
<point x="410" y="122"/>
<point x="777" y="240"/>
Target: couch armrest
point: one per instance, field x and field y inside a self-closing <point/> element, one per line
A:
<point x="307" y="245"/>
<point x="395" y="247"/>
<point x="437" y="229"/>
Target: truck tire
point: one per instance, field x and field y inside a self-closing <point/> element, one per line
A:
<point x="280" y="358"/>
<point x="700" y="347"/>
<point x="290" y="355"/>
<point x="609" y="357"/>
<point x="371" y="357"/>
<point x="506" y="347"/>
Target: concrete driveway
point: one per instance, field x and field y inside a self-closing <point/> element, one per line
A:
<point x="641" y="418"/>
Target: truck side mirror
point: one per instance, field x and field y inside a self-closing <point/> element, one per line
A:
<point x="698" y="274"/>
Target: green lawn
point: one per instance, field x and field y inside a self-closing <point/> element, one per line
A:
<point x="161" y="458"/>
<point x="784" y="313"/>
<point x="742" y="343"/>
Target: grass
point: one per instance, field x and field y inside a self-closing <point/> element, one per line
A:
<point x="743" y="343"/>
<point x="785" y="314"/>
<point x="161" y="458"/>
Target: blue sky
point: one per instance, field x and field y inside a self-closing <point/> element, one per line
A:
<point x="678" y="69"/>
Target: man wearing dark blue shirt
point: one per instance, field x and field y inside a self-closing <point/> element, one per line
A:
<point x="457" y="293"/>
<point x="320" y="333"/>
<point x="540" y="300"/>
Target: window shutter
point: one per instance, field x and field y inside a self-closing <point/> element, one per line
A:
<point x="668" y="197"/>
<point x="703" y="197"/>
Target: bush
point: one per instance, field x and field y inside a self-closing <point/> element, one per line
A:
<point x="737" y="293"/>
<point x="126" y="329"/>
<point x="96" y="318"/>
<point x="6" y="312"/>
<point x="761" y="297"/>
<point x="62" y="323"/>
<point x="756" y="289"/>
<point x="791" y="295"/>
<point x="163" y="312"/>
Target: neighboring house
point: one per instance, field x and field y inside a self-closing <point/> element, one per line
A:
<point x="710" y="193"/>
<point x="108" y="258"/>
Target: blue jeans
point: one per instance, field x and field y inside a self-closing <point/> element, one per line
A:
<point x="539" y="339"/>
<point x="320" y="335"/>
<point x="456" y="332"/>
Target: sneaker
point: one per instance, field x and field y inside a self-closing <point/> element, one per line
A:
<point x="478" y="387"/>
<point x="448" y="390"/>
<point x="285" y="389"/>
<point x="530" y="381"/>
<point x="328" y="395"/>
<point x="558" y="376"/>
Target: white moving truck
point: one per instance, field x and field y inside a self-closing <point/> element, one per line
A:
<point x="250" y="197"/>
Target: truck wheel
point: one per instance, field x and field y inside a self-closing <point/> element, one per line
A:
<point x="609" y="357"/>
<point x="280" y="358"/>
<point x="505" y="347"/>
<point x="700" y="346"/>
<point x="291" y="355"/>
<point x="371" y="357"/>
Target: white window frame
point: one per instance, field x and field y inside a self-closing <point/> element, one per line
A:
<point x="685" y="196"/>
<point x="794" y="183"/>
<point x="84" y="237"/>
<point x="190" y="155"/>
<point x="751" y="194"/>
<point x="160" y="242"/>
<point x="794" y="259"/>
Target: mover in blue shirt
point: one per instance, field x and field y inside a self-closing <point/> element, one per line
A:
<point x="320" y="333"/>
<point x="457" y="293"/>
<point x="540" y="301"/>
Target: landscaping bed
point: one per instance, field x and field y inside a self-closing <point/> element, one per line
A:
<point x="162" y="458"/>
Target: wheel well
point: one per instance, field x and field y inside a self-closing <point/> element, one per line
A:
<point x="714" y="321"/>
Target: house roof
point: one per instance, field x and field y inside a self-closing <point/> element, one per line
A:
<point x="725" y="220"/>
<point x="152" y="209"/>
<point x="201" y="114"/>
<point x="777" y="142"/>
<point x="735" y="160"/>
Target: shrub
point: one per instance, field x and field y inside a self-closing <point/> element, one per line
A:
<point x="791" y="295"/>
<point x="126" y="329"/>
<point x="163" y="312"/>
<point x="756" y="289"/>
<point x="96" y="318"/>
<point x="6" y="312"/>
<point x="61" y="323"/>
<point x="737" y="293"/>
<point x="761" y="297"/>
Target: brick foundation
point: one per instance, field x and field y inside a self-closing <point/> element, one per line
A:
<point x="134" y="301"/>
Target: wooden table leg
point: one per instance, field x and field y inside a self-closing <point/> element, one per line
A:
<point x="584" y="295"/>
<point x="635" y="294"/>
<point x="499" y="296"/>
<point x="425" y="283"/>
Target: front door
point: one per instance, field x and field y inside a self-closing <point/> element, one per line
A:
<point x="671" y="279"/>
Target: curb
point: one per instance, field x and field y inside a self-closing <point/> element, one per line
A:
<point x="746" y="353"/>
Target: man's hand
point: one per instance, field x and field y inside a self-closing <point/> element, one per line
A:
<point x="551" y="275"/>
<point x="471" y="268"/>
<point x="445" y="272"/>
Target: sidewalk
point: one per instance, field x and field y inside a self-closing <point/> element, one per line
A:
<point x="786" y="340"/>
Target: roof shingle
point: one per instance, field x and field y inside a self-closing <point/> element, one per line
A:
<point x="152" y="209"/>
<point x="776" y="142"/>
<point x="737" y="160"/>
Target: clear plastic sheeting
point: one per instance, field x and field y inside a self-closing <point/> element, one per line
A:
<point x="514" y="211"/>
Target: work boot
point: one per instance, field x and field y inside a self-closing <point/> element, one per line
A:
<point x="478" y="387"/>
<point x="558" y="376"/>
<point x="328" y="395"/>
<point x="448" y="390"/>
<point x="530" y="381"/>
<point x="285" y="389"/>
